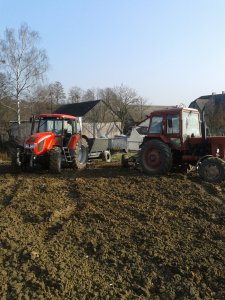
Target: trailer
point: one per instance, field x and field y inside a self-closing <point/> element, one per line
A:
<point x="105" y="147"/>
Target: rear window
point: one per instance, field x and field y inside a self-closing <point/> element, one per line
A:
<point x="191" y="124"/>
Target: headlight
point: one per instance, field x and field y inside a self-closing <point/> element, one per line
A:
<point x="29" y="146"/>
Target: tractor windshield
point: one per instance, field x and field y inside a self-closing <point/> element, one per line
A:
<point x="53" y="125"/>
<point x="191" y="124"/>
<point x="156" y="125"/>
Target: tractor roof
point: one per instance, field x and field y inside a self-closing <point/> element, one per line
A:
<point x="61" y="116"/>
<point x="77" y="109"/>
<point x="172" y="111"/>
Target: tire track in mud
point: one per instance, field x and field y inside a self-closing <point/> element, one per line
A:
<point x="163" y="230"/>
<point x="8" y="189"/>
<point x="29" y="225"/>
<point x="105" y="234"/>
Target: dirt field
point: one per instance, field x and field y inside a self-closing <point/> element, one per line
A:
<point x="110" y="233"/>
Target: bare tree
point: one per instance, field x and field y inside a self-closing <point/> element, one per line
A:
<point x="41" y="94"/>
<point x="56" y="93"/>
<point x="41" y="101"/>
<point x="25" y="64"/>
<point x="90" y="94"/>
<point x="119" y="100"/>
<point x="4" y="90"/>
<point x="75" y="95"/>
<point x="137" y="112"/>
<point x="46" y="98"/>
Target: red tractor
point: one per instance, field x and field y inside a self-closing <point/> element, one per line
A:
<point x="55" y="141"/>
<point x="177" y="138"/>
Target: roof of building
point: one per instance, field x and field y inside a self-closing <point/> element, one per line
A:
<point x="200" y="102"/>
<point x="77" y="109"/>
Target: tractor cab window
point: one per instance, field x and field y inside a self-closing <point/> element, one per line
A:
<point x="78" y="125"/>
<point x="52" y="125"/>
<point x="191" y="124"/>
<point x="68" y="129"/>
<point x="173" y="124"/>
<point x="156" y="124"/>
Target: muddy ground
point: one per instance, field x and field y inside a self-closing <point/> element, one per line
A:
<point x="110" y="233"/>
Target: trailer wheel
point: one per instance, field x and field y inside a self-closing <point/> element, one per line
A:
<point x="106" y="156"/>
<point x="80" y="154"/>
<point x="212" y="170"/>
<point x="155" y="158"/>
<point x="55" y="160"/>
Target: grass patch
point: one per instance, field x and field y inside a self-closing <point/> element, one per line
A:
<point x="117" y="156"/>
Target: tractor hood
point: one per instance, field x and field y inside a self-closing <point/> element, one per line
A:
<point x="39" y="143"/>
<point x="37" y="137"/>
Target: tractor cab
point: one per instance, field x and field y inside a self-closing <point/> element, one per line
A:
<point x="63" y="127"/>
<point x="174" y="126"/>
<point x="176" y="139"/>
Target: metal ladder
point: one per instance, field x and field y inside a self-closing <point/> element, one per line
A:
<point x="67" y="155"/>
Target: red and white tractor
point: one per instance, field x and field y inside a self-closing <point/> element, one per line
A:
<point x="177" y="137"/>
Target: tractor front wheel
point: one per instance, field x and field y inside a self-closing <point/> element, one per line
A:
<point x="155" y="158"/>
<point x="212" y="170"/>
<point x="55" y="160"/>
<point x="80" y="154"/>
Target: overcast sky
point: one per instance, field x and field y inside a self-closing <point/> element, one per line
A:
<point x="169" y="51"/>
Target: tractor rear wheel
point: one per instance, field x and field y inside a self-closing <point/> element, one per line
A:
<point x="80" y="154"/>
<point x="55" y="160"/>
<point x="155" y="158"/>
<point x="212" y="170"/>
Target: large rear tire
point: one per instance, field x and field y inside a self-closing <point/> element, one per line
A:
<point x="55" y="160"/>
<point x="212" y="169"/>
<point x="155" y="158"/>
<point x="80" y="154"/>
